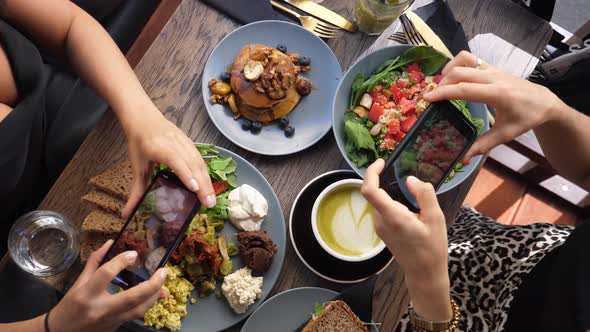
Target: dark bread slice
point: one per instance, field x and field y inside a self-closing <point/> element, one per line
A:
<point x="338" y="317"/>
<point x="91" y="242"/>
<point x="116" y="181"/>
<point x="105" y="201"/>
<point x="100" y="221"/>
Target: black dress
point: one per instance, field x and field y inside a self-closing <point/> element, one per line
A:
<point x="53" y="115"/>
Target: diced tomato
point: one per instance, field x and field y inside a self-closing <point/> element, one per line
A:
<point x="437" y="78"/>
<point x="398" y="94"/>
<point x="394" y="127"/>
<point x="375" y="113"/>
<point x="378" y="98"/>
<point x="402" y="83"/>
<point x="414" y="89"/>
<point x="416" y="76"/>
<point x="378" y="88"/>
<point x="220" y="186"/>
<point x="413" y="67"/>
<point x="399" y="136"/>
<point x="381" y="100"/>
<point x="423" y="84"/>
<point x="408" y="123"/>
<point x="407" y="106"/>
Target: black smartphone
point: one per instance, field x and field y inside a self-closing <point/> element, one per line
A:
<point x="155" y="228"/>
<point x="429" y="151"/>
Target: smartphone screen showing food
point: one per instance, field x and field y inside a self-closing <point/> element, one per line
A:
<point x="430" y="151"/>
<point x="154" y="228"/>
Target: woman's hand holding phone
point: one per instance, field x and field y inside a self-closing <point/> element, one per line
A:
<point x="89" y="307"/>
<point x="153" y="139"/>
<point x="520" y="104"/>
<point x="417" y="241"/>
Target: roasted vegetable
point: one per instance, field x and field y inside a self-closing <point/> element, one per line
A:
<point x="220" y="88"/>
<point x="231" y="101"/>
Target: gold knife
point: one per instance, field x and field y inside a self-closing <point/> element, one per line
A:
<point x="427" y="34"/>
<point x="434" y="40"/>
<point x="323" y="13"/>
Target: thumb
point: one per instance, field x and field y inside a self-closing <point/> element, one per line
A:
<point x="425" y="197"/>
<point x="93" y="262"/>
<point x="489" y="140"/>
<point x="137" y="189"/>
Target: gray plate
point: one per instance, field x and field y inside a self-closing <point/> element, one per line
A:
<point x="311" y="118"/>
<point x="366" y="66"/>
<point x="288" y="310"/>
<point x="212" y="314"/>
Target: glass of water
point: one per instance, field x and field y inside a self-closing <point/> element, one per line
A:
<point x="43" y="243"/>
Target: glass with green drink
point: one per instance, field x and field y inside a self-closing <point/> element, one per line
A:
<point x="374" y="16"/>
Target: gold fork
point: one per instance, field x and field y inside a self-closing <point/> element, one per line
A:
<point x="314" y="25"/>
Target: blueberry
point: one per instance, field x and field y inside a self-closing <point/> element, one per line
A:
<point x="282" y="48"/>
<point x="225" y="76"/>
<point x="246" y="124"/>
<point x="256" y="127"/>
<point x="289" y="131"/>
<point x="304" y="61"/>
<point x="283" y="123"/>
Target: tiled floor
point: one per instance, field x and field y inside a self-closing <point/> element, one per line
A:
<point x="501" y="194"/>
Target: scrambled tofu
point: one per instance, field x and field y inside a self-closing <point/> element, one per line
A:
<point x="169" y="311"/>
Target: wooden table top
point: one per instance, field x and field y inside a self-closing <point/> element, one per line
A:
<point x="498" y="31"/>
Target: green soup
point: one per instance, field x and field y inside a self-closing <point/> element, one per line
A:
<point x="345" y="221"/>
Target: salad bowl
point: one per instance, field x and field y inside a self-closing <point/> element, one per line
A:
<point x="366" y="66"/>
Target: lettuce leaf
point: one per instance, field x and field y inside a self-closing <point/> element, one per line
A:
<point x="360" y="146"/>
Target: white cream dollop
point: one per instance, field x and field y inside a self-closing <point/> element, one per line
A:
<point x="247" y="208"/>
<point x="241" y="289"/>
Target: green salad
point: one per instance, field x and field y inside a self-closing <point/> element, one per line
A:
<point x="384" y="106"/>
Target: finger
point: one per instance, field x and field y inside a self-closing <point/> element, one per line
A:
<point x="182" y="170"/>
<point x="137" y="189"/>
<point x="106" y="273"/>
<point x="93" y="263"/>
<point x="199" y="169"/>
<point x="371" y="180"/>
<point x="138" y="312"/>
<point x="425" y="197"/>
<point x="489" y="140"/>
<point x="463" y="59"/>
<point x="465" y="74"/>
<point x="476" y="92"/>
<point x="146" y="292"/>
<point x="376" y="196"/>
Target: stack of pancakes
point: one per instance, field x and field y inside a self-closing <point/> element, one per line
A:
<point x="258" y="106"/>
<point x="108" y="195"/>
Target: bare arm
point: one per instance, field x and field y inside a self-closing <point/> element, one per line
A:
<point x="31" y="325"/>
<point x="521" y="106"/>
<point x="65" y="30"/>
<point x="565" y="140"/>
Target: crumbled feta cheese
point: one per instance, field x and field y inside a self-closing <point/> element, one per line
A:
<point x="241" y="289"/>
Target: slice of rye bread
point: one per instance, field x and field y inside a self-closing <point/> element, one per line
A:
<point x="92" y="241"/>
<point x="100" y="221"/>
<point x="337" y="317"/>
<point x="105" y="201"/>
<point x="116" y="181"/>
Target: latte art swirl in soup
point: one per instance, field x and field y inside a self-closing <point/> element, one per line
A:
<point x="345" y="222"/>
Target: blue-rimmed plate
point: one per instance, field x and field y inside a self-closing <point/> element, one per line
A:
<point x="312" y="118"/>
<point x="211" y="313"/>
<point x="366" y="66"/>
<point x="288" y="310"/>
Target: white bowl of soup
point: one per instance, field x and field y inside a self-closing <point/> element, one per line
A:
<point x="343" y="222"/>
